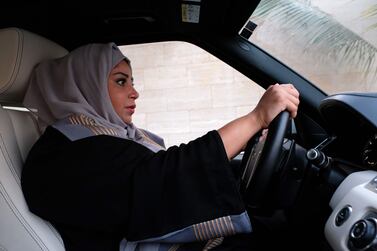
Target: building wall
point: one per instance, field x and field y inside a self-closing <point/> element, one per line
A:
<point x="186" y="92"/>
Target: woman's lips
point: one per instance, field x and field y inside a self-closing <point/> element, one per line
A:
<point x="131" y="108"/>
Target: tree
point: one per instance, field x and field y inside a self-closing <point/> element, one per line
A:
<point x="325" y="35"/>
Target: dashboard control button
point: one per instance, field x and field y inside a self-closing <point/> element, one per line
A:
<point x="362" y="233"/>
<point x="343" y="215"/>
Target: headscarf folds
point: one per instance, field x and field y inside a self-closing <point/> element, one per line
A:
<point x="75" y="86"/>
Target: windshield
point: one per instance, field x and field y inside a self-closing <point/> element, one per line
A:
<point x="333" y="43"/>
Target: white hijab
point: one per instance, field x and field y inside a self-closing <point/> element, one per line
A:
<point x="77" y="84"/>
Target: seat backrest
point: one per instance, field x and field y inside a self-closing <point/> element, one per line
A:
<point x="20" y="51"/>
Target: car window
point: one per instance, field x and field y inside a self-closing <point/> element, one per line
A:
<point x="331" y="43"/>
<point x="185" y="91"/>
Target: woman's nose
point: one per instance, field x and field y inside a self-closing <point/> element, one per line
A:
<point x="134" y="94"/>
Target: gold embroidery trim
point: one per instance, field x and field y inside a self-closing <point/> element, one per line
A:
<point x="81" y="119"/>
<point x="174" y="247"/>
<point x="149" y="139"/>
<point x="213" y="243"/>
<point x="214" y="228"/>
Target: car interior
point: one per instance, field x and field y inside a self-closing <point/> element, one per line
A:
<point x="21" y="230"/>
<point x="312" y="185"/>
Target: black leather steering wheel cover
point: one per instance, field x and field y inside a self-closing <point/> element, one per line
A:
<point x="257" y="191"/>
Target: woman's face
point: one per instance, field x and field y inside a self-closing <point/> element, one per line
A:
<point x="122" y="92"/>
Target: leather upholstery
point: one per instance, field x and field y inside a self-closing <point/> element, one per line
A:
<point x="20" y="229"/>
<point x="20" y="51"/>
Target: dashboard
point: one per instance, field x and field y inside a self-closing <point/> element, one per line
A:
<point x="352" y="119"/>
<point x="352" y="224"/>
<point x="369" y="152"/>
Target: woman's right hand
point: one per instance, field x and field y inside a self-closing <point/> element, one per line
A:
<point x="277" y="98"/>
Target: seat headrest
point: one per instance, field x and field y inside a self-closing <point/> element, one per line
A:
<point x="20" y="52"/>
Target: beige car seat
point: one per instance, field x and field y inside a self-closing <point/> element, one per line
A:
<point x="20" y="51"/>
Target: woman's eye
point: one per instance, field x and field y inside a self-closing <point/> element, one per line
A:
<point x="121" y="82"/>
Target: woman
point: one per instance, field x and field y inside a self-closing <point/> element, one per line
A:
<point x="107" y="185"/>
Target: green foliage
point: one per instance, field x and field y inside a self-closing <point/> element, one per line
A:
<point x="370" y="12"/>
<point x="320" y="33"/>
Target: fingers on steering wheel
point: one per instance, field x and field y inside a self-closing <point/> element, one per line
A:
<point x="292" y="99"/>
<point x="292" y="106"/>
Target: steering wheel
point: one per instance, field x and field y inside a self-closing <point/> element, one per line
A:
<point x="261" y="161"/>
